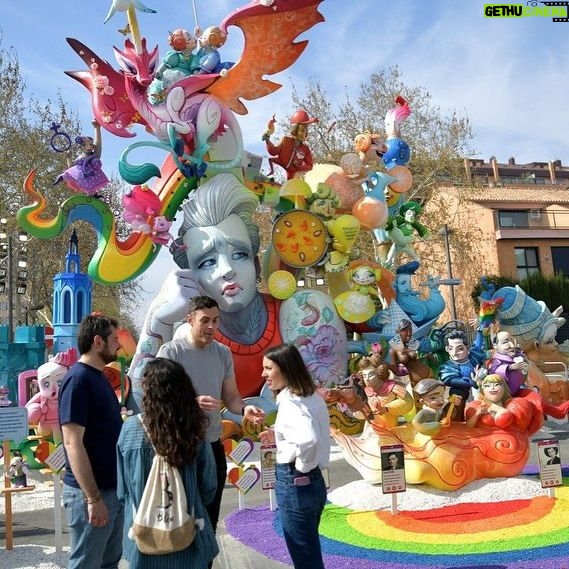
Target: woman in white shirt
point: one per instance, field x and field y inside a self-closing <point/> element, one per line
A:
<point x="302" y="436"/>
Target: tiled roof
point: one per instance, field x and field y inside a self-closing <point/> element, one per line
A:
<point x="536" y="194"/>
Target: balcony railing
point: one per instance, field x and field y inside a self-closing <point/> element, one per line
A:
<point x="532" y="220"/>
<point x="488" y="180"/>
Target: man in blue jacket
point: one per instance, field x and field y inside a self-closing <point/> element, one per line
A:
<point x="462" y="370"/>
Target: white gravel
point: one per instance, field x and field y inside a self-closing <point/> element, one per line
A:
<point x="33" y="557"/>
<point x="361" y="495"/>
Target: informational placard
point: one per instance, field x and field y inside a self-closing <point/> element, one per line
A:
<point x="241" y="476"/>
<point x="244" y="478"/>
<point x="268" y="465"/>
<point x="549" y="463"/>
<point x="56" y="460"/>
<point x="13" y="424"/>
<point x="241" y="451"/>
<point x="392" y="469"/>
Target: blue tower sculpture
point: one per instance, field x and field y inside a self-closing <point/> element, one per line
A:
<point x="72" y="299"/>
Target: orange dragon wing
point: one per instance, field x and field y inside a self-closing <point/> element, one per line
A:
<point x="269" y="31"/>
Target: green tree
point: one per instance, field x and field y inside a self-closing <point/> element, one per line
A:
<point x="553" y="290"/>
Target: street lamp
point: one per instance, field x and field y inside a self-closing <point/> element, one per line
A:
<point x="445" y="232"/>
<point x="7" y="269"/>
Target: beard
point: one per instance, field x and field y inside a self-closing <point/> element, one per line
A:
<point x="107" y="356"/>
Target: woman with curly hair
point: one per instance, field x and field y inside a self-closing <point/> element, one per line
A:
<point x="174" y="427"/>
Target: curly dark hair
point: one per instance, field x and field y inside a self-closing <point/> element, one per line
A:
<point x="174" y="422"/>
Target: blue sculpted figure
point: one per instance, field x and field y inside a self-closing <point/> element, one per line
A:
<point x="207" y="58"/>
<point x="420" y="310"/>
<point x="463" y="368"/>
<point x="176" y="65"/>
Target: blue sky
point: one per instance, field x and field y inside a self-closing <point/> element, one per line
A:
<point x="510" y="76"/>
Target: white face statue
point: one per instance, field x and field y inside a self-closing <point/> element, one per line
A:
<point x="50" y="376"/>
<point x="221" y="258"/>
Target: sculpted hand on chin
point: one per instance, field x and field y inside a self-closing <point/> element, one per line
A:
<point x="172" y="301"/>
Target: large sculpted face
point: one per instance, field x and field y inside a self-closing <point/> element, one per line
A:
<point x="222" y="261"/>
<point x="50" y="376"/>
<point x="457" y="350"/>
<point x="493" y="390"/>
<point x="435" y="399"/>
<point x="505" y="344"/>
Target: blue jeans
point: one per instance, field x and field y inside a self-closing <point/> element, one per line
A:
<point x="300" y="509"/>
<point x="93" y="547"/>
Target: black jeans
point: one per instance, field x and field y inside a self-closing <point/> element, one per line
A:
<point x="221" y="468"/>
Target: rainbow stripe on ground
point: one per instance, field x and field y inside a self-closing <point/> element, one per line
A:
<point x="513" y="534"/>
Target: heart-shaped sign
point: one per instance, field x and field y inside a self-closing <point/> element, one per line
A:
<point x="234" y="474"/>
<point x="241" y="451"/>
<point x="250" y="477"/>
<point x="229" y="445"/>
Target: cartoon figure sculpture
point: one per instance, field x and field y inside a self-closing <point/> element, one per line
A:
<point x="370" y="147"/>
<point x="363" y="280"/>
<point x="397" y="152"/>
<point x="404" y="356"/>
<point x="199" y="108"/>
<point x="86" y="174"/>
<point x="419" y="310"/>
<point x="160" y="231"/>
<point x="4" y="400"/>
<point x="176" y="65"/>
<point x="141" y="206"/>
<point x="207" y="58"/>
<point x="388" y="399"/>
<point x="464" y="368"/>
<point x="509" y="362"/>
<point x="18" y="470"/>
<point x="529" y="321"/>
<point x="219" y="258"/>
<point x="495" y="407"/>
<point x="401" y="229"/>
<point x="291" y="153"/>
<point x="43" y="407"/>
<point x="430" y="420"/>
